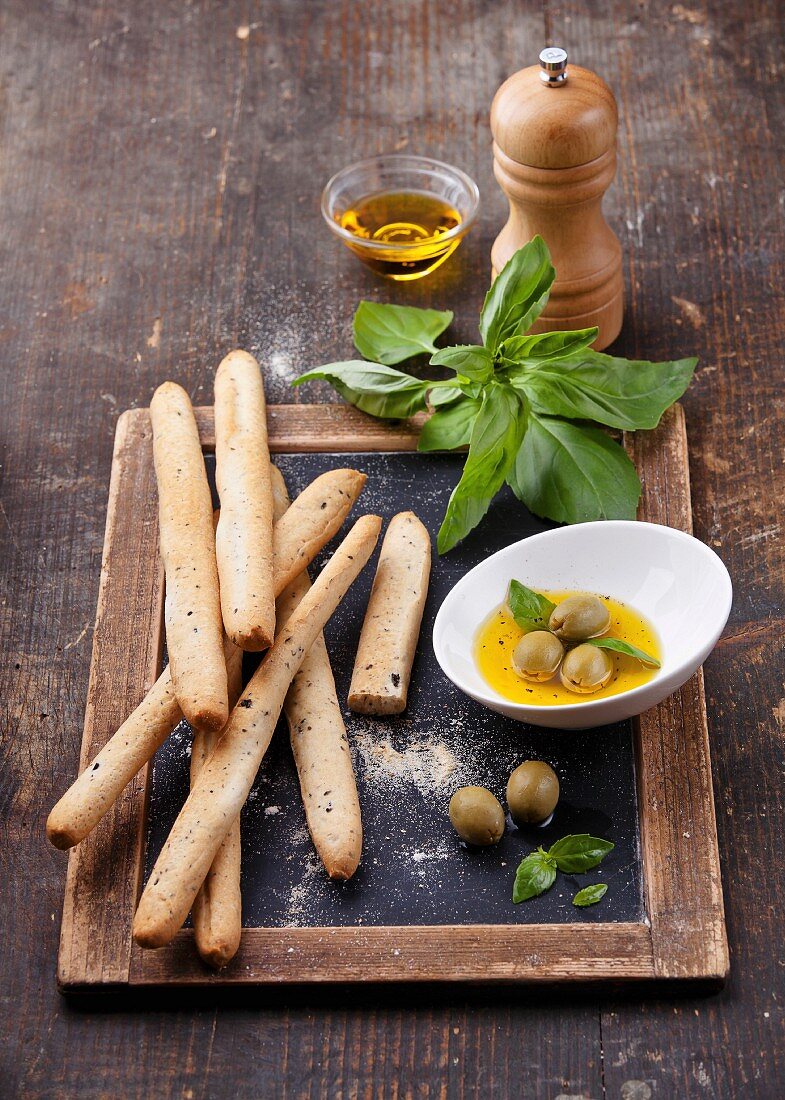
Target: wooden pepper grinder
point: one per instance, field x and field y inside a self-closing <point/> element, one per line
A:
<point x="554" y="152"/>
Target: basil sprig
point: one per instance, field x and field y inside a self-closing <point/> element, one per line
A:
<point x="572" y="854"/>
<point x="524" y="403"/>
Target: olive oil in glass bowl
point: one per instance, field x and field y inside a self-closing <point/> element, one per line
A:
<point x="403" y="216"/>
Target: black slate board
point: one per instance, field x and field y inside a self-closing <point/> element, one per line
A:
<point x="414" y="870"/>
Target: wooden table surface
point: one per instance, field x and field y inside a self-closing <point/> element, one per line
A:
<point x="159" y="183"/>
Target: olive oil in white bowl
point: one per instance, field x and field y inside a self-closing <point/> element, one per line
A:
<point x="673" y="579"/>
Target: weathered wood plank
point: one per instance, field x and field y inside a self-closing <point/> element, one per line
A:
<point x="516" y="953"/>
<point x="158" y="204"/>
<point x="103" y="871"/>
<point x="678" y="824"/>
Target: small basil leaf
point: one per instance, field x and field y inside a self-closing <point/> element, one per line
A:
<point x="468" y="360"/>
<point x="471" y="389"/>
<point x="443" y="395"/>
<point x="530" y="609"/>
<point x="548" y="345"/>
<point x="572" y="474"/>
<point x="590" y="895"/>
<point x="449" y="427"/>
<point x="621" y="393"/>
<point x="495" y="440"/>
<point x="518" y="294"/>
<point x="579" y="852"/>
<point x="372" y="387"/>
<point x="389" y="334"/>
<point x="618" y="646"/>
<point x="535" y="874"/>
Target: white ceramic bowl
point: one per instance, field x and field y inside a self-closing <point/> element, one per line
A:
<point x="673" y="579"/>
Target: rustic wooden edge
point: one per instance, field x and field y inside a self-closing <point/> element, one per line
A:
<point x="102" y="881"/>
<point x="474" y="953"/>
<point x="686" y="937"/>
<point x="298" y="429"/>
<point x="678" y="824"/>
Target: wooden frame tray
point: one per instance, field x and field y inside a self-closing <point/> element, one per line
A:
<point x="683" y="935"/>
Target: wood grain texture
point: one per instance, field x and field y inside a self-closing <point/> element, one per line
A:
<point x="683" y="890"/>
<point x="104" y="870"/>
<point x="530" y="953"/>
<point x="158" y="203"/>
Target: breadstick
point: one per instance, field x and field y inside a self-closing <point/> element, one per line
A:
<point x="314" y="517"/>
<point x="145" y="730"/>
<point x="244" y="539"/>
<point x="218" y="908"/>
<point x="388" y="640"/>
<point x="224" y="782"/>
<point x="101" y="783"/>
<point x="319" y="742"/>
<point x="192" y="611"/>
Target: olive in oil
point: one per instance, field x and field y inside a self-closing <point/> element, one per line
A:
<point x="499" y="635"/>
<point x="402" y="234"/>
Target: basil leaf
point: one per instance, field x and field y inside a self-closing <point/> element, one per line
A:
<point x="467" y="360"/>
<point x="376" y="389"/>
<point x="579" y="852"/>
<point x="590" y="895"/>
<point x="443" y="395"/>
<point x="518" y="294"/>
<point x="495" y="440"/>
<point x="530" y="609"/>
<point x="449" y="427"/>
<point x="548" y="345"/>
<point x="535" y="874"/>
<point x="572" y="474"/>
<point x="389" y="334"/>
<point x="471" y="389"/>
<point x="621" y="393"/>
<point x="618" y="646"/>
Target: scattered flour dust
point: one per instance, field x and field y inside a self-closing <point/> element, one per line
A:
<point x="312" y="876"/>
<point x="427" y="763"/>
<point x="427" y="855"/>
<point x="300" y="901"/>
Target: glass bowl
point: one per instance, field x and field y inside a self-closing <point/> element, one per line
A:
<point x="401" y="215"/>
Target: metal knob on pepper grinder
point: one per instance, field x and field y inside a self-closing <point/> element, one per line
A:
<point x="554" y="147"/>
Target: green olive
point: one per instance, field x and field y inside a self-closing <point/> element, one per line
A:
<point x="537" y="656"/>
<point x="532" y="792"/>
<point x="580" y="617"/>
<point x="477" y="816"/>
<point x="586" y="669"/>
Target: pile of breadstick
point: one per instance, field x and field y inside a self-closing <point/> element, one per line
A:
<point x="243" y="585"/>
